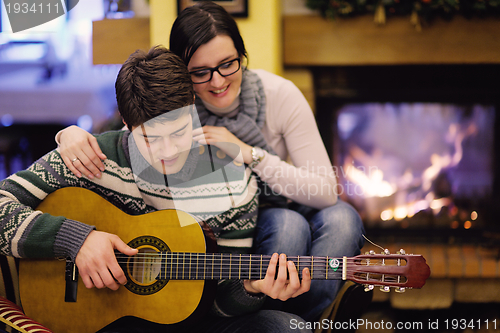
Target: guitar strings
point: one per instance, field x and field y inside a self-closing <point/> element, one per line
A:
<point x="369" y="278"/>
<point x="312" y="263"/>
<point x="179" y="272"/>
<point x="179" y="258"/>
<point x="226" y="256"/>
<point x="217" y="266"/>
<point x="229" y="255"/>
<point x="218" y="262"/>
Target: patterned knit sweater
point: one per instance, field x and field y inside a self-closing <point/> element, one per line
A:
<point x="227" y="204"/>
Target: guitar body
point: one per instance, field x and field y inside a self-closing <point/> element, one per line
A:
<point x="172" y="280"/>
<point x="42" y="282"/>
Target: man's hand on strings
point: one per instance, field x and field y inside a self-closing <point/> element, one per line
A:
<point x="97" y="263"/>
<point x="285" y="285"/>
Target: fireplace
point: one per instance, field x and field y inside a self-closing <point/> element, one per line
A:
<point x="415" y="147"/>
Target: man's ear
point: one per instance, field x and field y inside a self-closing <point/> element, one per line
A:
<point x="124" y="123"/>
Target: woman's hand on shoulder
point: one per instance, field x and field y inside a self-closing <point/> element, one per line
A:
<point x="81" y="153"/>
<point x="220" y="137"/>
<point x="286" y="284"/>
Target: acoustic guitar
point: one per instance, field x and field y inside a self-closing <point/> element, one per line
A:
<point x="172" y="279"/>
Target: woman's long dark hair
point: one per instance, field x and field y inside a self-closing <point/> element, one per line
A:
<point x="199" y="24"/>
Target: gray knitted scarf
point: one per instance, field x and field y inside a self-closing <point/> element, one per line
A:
<point x="251" y="115"/>
<point x="247" y="126"/>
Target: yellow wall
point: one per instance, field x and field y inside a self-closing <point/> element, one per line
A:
<point x="261" y="31"/>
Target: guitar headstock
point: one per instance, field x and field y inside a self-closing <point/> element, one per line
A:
<point x="401" y="271"/>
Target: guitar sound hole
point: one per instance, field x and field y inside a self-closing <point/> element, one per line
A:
<point x="145" y="267"/>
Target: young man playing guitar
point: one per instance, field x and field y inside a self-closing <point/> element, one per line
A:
<point x="155" y="99"/>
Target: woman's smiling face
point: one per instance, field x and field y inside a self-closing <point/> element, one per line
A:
<point x="219" y="91"/>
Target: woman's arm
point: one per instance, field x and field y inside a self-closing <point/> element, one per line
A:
<point x="292" y="131"/>
<point x="80" y="152"/>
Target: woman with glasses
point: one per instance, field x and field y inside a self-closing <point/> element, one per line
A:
<point x="270" y="120"/>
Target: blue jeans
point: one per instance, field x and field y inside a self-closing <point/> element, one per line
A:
<point x="269" y="321"/>
<point x="335" y="231"/>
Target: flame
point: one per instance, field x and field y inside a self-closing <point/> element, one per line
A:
<point x="446" y="161"/>
<point x="402" y="211"/>
<point x="373" y="183"/>
<point x="438" y="163"/>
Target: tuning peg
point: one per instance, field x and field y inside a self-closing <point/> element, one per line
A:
<point x="369" y="287"/>
<point x="401" y="251"/>
<point x="400" y="290"/>
<point x="372" y="252"/>
<point x="385" y="289"/>
<point x="386" y="251"/>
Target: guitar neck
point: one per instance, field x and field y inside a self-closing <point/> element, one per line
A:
<point x="41" y="282"/>
<point x="391" y="270"/>
<point x="217" y="266"/>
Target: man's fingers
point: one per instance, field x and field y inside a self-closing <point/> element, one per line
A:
<point x="115" y="268"/>
<point x="305" y="284"/>
<point x="87" y="281"/>
<point x="103" y="277"/>
<point x="293" y="281"/>
<point x="271" y="269"/>
<point x="118" y="275"/>
<point x="109" y="279"/>
<point x="121" y="246"/>
<point x="280" y="281"/>
<point x="97" y="262"/>
<point x="282" y="269"/>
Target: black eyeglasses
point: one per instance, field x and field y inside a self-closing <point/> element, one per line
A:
<point x="225" y="69"/>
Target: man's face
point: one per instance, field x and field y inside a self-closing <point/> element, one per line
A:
<point x="165" y="145"/>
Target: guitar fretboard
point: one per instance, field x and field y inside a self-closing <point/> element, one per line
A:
<point x="216" y="266"/>
<point x="386" y="270"/>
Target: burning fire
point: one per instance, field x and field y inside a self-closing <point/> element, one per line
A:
<point x="397" y="198"/>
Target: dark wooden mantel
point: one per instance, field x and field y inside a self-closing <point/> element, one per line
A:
<point x="311" y="40"/>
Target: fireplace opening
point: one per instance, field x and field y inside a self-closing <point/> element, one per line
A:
<point x="416" y="165"/>
<point x="415" y="147"/>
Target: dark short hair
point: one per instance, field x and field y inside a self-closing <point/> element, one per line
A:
<point x="199" y="24"/>
<point x="151" y="84"/>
